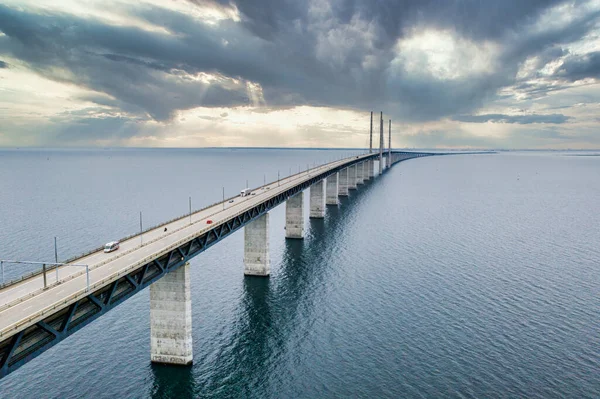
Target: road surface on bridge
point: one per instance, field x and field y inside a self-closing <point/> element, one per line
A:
<point x="26" y="302"/>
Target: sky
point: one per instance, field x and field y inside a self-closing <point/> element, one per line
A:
<point x="300" y="73"/>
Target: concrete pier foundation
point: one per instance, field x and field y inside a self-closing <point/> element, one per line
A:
<point x="370" y="169"/>
<point x="317" y="200"/>
<point x="171" y="318"/>
<point x="352" y="177"/>
<point x="294" y="216"/>
<point x="256" y="247"/>
<point x="331" y="189"/>
<point x="343" y="183"/>
<point x="360" y="173"/>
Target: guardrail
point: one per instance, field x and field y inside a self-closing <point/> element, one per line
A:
<point x="135" y="235"/>
<point x="72" y="276"/>
<point x="81" y="293"/>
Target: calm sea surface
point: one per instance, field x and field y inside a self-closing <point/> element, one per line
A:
<point x="472" y="276"/>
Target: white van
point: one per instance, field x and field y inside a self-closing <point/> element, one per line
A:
<point x="111" y="246"/>
<point x="245" y="192"/>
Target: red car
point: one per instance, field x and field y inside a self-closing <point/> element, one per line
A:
<point x="208" y="221"/>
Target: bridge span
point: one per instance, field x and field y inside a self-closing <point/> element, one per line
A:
<point x="43" y="309"/>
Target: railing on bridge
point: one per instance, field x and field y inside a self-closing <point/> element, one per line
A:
<point x="27" y="338"/>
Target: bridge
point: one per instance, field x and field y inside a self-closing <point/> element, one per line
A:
<point x="44" y="308"/>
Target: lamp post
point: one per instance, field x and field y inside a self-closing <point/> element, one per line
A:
<point x="56" y="258"/>
<point x="141" y="230"/>
<point x="44" y="271"/>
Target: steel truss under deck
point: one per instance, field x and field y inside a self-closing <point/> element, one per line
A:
<point x="25" y="345"/>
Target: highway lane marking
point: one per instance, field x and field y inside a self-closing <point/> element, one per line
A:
<point x="286" y="183"/>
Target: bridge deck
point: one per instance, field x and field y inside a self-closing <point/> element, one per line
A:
<point x="25" y="303"/>
<point x="33" y="319"/>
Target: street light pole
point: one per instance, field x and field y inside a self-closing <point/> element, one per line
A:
<point x="44" y="271"/>
<point x="190" y="210"/>
<point x="141" y="230"/>
<point x="56" y="258"/>
<point x="223" y="197"/>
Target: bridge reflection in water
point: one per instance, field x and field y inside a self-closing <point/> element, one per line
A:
<point x="273" y="316"/>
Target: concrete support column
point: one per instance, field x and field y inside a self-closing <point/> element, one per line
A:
<point x="294" y="216"/>
<point x="360" y="173"/>
<point x="171" y="318"/>
<point x="343" y="183"/>
<point x="365" y="171"/>
<point x="256" y="247"/>
<point x="331" y="189"/>
<point x="371" y="169"/>
<point x="317" y="200"/>
<point x="352" y="177"/>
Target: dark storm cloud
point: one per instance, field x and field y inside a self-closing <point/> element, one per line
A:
<point x="128" y="64"/>
<point x="152" y="73"/>
<point x="3" y="64"/>
<point x="580" y="67"/>
<point x="520" y="119"/>
<point x="472" y="18"/>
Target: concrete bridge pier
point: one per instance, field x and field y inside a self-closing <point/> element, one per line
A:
<point x="360" y="174"/>
<point x="352" y="177"/>
<point x="171" y="318"/>
<point x="343" y="183"/>
<point x="370" y="169"/>
<point x="256" y="247"/>
<point x="317" y="200"/>
<point x="365" y="171"/>
<point x="331" y="189"/>
<point x="294" y="216"/>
